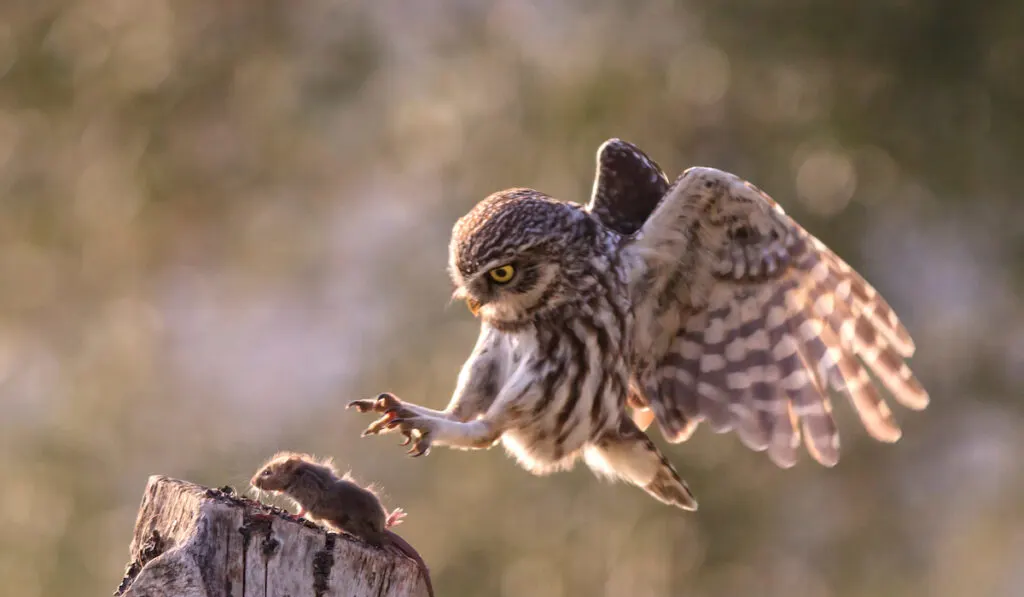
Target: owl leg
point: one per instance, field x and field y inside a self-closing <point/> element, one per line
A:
<point x="423" y="427"/>
<point x="627" y="453"/>
<point x="425" y="431"/>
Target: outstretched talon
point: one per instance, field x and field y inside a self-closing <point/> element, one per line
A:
<point x="382" y="403"/>
<point x="397" y="416"/>
<point x="385" y="403"/>
<point x="420" y="447"/>
<point x="416" y="430"/>
<point x="382" y="424"/>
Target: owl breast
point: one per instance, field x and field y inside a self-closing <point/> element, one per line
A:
<point x="579" y="365"/>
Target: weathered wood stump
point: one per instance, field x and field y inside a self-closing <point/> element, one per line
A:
<point x="191" y="541"/>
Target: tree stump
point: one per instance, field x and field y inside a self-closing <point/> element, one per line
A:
<point x="191" y="541"/>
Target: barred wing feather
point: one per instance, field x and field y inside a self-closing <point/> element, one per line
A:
<point x="767" y="321"/>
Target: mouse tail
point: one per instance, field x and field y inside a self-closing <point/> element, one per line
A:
<point x="403" y="547"/>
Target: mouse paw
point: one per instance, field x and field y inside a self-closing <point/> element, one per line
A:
<point x="395" y="518"/>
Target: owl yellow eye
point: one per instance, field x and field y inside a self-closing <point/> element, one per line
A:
<point x="502" y="274"/>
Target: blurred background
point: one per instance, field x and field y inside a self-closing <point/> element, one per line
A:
<point x="220" y="221"/>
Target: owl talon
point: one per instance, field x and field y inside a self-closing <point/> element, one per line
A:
<point x="382" y="403"/>
<point x="382" y="424"/>
<point x="361" y="405"/>
<point x="415" y="432"/>
<point x="420" y="448"/>
<point x="415" y="429"/>
<point x="387" y="401"/>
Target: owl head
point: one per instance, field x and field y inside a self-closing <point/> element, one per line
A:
<point x="519" y="254"/>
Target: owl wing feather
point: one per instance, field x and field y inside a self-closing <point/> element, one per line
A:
<point x="628" y="185"/>
<point x="751" y="321"/>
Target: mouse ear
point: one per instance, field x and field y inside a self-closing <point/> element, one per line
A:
<point x="281" y="456"/>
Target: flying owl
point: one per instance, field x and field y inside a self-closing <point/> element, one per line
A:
<point x="696" y="301"/>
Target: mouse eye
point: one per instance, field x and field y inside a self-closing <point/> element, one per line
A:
<point x="266" y="472"/>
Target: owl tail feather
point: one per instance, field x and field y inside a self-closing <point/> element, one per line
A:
<point x="669" y="489"/>
<point x="630" y="455"/>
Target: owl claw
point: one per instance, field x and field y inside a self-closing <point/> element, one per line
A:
<point x="382" y="424"/>
<point x="419" y="449"/>
<point x="395" y="417"/>
<point x="361" y="405"/>
<point x="386" y="404"/>
<point x="420" y="441"/>
<point x="382" y="403"/>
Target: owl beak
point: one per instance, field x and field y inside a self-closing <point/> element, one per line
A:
<point x="473" y="304"/>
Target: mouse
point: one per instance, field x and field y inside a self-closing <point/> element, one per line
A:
<point x="335" y="501"/>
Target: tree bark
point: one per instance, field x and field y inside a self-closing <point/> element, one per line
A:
<point x="191" y="541"/>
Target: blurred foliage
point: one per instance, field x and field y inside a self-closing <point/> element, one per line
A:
<point x="219" y="221"/>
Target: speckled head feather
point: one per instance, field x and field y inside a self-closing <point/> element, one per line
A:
<point x="506" y="222"/>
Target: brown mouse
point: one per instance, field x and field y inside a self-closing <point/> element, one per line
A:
<point x="337" y="502"/>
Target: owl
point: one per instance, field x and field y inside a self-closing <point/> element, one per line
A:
<point x="682" y="303"/>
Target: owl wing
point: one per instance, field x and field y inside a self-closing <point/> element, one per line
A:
<point x="627" y="186"/>
<point x="752" y="321"/>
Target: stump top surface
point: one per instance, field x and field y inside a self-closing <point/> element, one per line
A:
<point x="195" y="541"/>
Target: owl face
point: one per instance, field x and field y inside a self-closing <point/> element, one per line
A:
<point x="515" y="255"/>
<point x="510" y="288"/>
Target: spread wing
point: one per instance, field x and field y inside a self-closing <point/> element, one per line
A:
<point x="627" y="186"/>
<point x="752" y="321"/>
